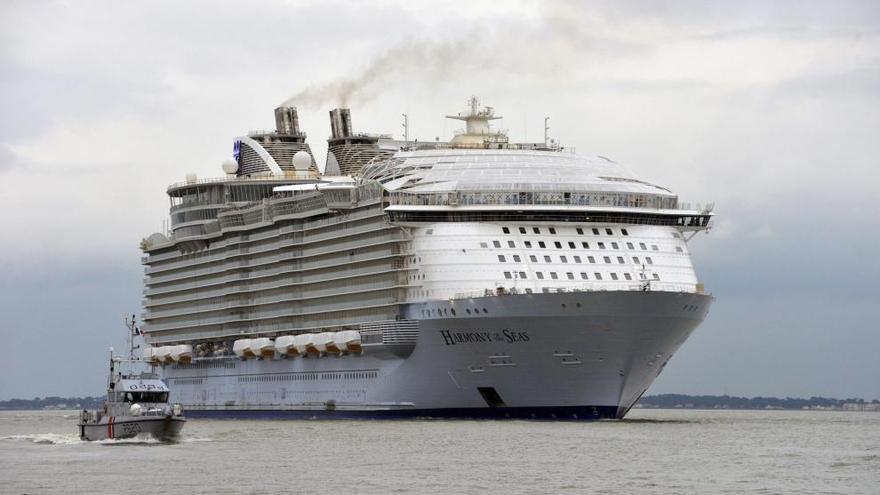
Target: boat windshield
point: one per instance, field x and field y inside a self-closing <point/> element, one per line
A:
<point x="146" y="397"/>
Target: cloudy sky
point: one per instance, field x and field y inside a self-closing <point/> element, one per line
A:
<point x="771" y="110"/>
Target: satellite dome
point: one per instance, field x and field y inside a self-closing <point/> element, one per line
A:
<point x="230" y="166"/>
<point x="302" y="161"/>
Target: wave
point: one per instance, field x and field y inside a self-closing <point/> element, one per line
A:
<point x="44" y="438"/>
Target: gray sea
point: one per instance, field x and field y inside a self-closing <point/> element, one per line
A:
<point x="652" y="451"/>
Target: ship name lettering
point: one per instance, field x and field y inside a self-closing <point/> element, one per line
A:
<point x="508" y="336"/>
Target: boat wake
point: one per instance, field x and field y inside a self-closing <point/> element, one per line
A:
<point x="44" y="439"/>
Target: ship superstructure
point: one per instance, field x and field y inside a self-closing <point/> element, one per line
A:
<point x="476" y="278"/>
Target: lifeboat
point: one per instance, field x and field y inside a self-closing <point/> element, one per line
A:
<point x="348" y="341"/>
<point x="150" y="355"/>
<point x="263" y="347"/>
<point x="242" y="348"/>
<point x="326" y="340"/>
<point x="182" y="353"/>
<point x="302" y="342"/>
<point x="163" y="354"/>
<point x="285" y="345"/>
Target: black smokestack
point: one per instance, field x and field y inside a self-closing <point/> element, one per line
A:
<point x="340" y="123"/>
<point x="287" y="121"/>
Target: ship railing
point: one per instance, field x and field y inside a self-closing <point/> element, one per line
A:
<point x="287" y="175"/>
<point x="512" y="198"/>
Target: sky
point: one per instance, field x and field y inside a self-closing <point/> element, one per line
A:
<point x="769" y="110"/>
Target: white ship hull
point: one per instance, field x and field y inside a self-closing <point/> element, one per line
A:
<point x="584" y="355"/>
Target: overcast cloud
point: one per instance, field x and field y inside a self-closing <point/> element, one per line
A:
<point x="771" y="110"/>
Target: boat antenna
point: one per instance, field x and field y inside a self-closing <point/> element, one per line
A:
<point x="133" y="331"/>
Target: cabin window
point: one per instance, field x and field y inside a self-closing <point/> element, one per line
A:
<point x="609" y="231"/>
<point x="496" y="244"/>
<point x="614" y="245"/>
<point x="627" y="276"/>
<point x="570" y="275"/>
<point x="607" y="259"/>
<point x="649" y="260"/>
<point x="656" y="277"/>
<point x="484" y="245"/>
<point x="522" y="230"/>
<point x="552" y="230"/>
<point x="586" y="245"/>
<point x="501" y="258"/>
<point x="563" y="259"/>
<point x="598" y="276"/>
<point x="580" y="231"/>
<point x="557" y="244"/>
<point x="522" y="275"/>
<point x="571" y="245"/>
<point x="505" y="230"/>
<point x="629" y="245"/>
<point x="643" y="246"/>
<point x="507" y="275"/>
<point x="613" y="276"/>
<point x="678" y="249"/>
<point x="533" y="258"/>
<point x="516" y="258"/>
<point x="654" y="247"/>
<point x="591" y="259"/>
<point x="584" y="275"/>
<point x="624" y="232"/>
<point x="511" y="244"/>
<point x="536" y="230"/>
<point x="540" y="275"/>
<point x="528" y="244"/>
<point x="577" y="259"/>
<point x="601" y="245"/>
<point x="620" y="260"/>
<point x="541" y="245"/>
<point x="547" y="259"/>
<point x="554" y="276"/>
<point x="595" y="231"/>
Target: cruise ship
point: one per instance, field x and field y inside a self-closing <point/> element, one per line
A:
<point x="475" y="278"/>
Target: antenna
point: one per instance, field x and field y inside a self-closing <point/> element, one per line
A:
<point x="405" y="127"/>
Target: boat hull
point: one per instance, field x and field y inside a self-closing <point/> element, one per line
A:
<point x="120" y="427"/>
<point x="583" y="355"/>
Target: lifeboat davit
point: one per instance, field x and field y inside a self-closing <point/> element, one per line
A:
<point x="285" y="345"/>
<point x="263" y="347"/>
<point x="149" y="355"/>
<point x="242" y="348"/>
<point x="326" y="340"/>
<point x="348" y="341"/>
<point x="182" y="353"/>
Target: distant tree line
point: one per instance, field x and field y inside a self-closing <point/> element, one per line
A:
<point x="52" y="402"/>
<point x="731" y="402"/>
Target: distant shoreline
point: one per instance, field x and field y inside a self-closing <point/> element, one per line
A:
<point x="681" y="401"/>
<point x="660" y="401"/>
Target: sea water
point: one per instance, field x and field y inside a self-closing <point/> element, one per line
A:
<point x="651" y="451"/>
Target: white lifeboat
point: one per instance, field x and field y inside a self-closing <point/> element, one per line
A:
<point x="348" y="341"/>
<point x="285" y="345"/>
<point x="182" y="353"/>
<point x="164" y="353"/>
<point x="149" y="355"/>
<point x="242" y="348"/>
<point x="263" y="347"/>
<point x="326" y="340"/>
<point x="303" y="342"/>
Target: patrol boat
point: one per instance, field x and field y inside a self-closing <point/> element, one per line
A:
<point x="136" y="404"/>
